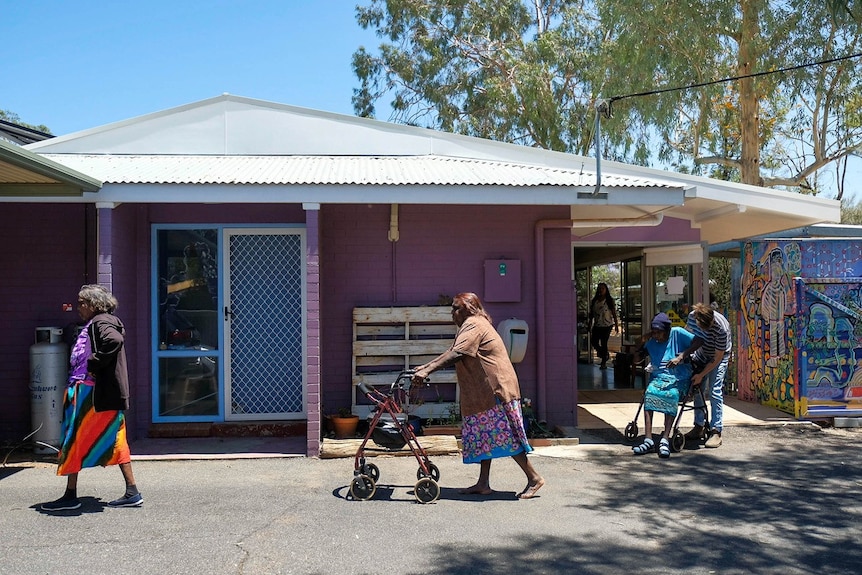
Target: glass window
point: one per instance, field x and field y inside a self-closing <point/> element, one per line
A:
<point x="631" y="310"/>
<point x="187" y="374"/>
<point x="673" y="292"/>
<point x="188" y="386"/>
<point x="188" y="289"/>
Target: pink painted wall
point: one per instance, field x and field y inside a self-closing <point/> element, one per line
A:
<point x="441" y="250"/>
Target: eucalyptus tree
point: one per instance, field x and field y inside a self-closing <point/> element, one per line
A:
<point x="852" y="8"/>
<point x="851" y="211"/>
<point x="507" y="70"/>
<point x="532" y="71"/>
<point x="10" y="116"/>
<point x="780" y="121"/>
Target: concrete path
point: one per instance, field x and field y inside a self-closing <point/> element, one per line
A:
<point x="602" y="418"/>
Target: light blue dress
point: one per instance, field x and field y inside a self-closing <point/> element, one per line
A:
<point x="667" y="385"/>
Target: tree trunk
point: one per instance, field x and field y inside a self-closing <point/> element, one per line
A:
<point x="749" y="104"/>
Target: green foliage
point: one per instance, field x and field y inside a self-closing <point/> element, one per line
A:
<point x="501" y="70"/>
<point x="840" y="9"/>
<point x="851" y="211"/>
<point x="13" y="117"/>
<point x="720" y="278"/>
<point x="531" y="72"/>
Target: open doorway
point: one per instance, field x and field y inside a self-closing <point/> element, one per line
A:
<point x="624" y="286"/>
<point x="641" y="287"/>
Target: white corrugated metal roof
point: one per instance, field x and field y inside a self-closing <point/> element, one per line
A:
<point x="334" y="170"/>
<point x="231" y="149"/>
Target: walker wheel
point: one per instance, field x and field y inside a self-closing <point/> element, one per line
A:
<point x="433" y="472"/>
<point x="678" y="441"/>
<point x="362" y="488"/>
<point x="371" y="471"/>
<point x="631" y="431"/>
<point x="426" y="490"/>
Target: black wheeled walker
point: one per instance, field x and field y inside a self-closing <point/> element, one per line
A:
<point x="686" y="403"/>
<point x="389" y="429"/>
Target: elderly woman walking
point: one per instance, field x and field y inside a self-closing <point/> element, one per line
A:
<point x="493" y="425"/>
<point x="94" y="427"/>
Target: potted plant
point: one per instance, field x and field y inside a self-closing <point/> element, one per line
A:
<point x="449" y="424"/>
<point x="344" y="423"/>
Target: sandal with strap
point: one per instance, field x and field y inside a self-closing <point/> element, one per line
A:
<point x="644" y="447"/>
<point x="664" y="448"/>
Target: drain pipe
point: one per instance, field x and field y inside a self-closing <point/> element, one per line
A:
<point x="541" y="367"/>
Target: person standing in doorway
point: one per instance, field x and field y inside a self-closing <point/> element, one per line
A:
<point x="94" y="427"/>
<point x="603" y="319"/>
<point x="492" y="420"/>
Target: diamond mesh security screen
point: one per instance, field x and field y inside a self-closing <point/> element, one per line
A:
<point x="265" y="324"/>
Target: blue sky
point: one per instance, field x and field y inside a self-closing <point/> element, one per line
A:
<point x="74" y="64"/>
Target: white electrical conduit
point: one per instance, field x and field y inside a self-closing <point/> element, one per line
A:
<point x="652" y="220"/>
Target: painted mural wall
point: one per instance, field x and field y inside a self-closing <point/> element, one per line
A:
<point x="830" y="346"/>
<point x="774" y="320"/>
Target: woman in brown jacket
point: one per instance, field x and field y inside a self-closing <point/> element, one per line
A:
<point x="492" y="422"/>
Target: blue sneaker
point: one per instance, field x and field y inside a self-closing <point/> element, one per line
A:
<point x="62" y="504"/>
<point x="135" y="500"/>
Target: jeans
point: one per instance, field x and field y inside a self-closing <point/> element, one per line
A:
<point x="714" y="383"/>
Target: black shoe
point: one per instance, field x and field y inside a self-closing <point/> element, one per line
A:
<point x="62" y="504"/>
<point x="697" y="433"/>
<point x="135" y="500"/>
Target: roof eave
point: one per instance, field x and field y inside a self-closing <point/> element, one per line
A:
<point x="66" y="180"/>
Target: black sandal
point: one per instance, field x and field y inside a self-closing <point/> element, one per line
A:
<point x="645" y="447"/>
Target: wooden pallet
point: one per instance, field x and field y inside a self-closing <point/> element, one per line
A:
<point x="435" y="445"/>
<point x="389" y="340"/>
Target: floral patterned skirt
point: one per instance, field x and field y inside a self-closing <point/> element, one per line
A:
<point x="497" y="432"/>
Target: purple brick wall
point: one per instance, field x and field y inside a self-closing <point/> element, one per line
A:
<point x="442" y="250"/>
<point x="44" y="260"/>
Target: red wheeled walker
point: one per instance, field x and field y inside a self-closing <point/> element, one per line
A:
<point x="390" y="429"/>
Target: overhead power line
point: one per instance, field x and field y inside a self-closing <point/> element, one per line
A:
<point x="731" y="79"/>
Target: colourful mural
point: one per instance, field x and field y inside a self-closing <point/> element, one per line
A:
<point x="830" y="350"/>
<point x="767" y="305"/>
<point x="799" y="325"/>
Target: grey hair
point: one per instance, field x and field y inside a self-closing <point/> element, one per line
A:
<point x="98" y="298"/>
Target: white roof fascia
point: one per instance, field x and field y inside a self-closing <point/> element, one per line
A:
<point x="364" y="194"/>
<point x="754" y="197"/>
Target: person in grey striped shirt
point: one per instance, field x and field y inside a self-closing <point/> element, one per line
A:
<point x="711" y="349"/>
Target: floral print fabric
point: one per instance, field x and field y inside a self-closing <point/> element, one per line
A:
<point x="497" y="432"/>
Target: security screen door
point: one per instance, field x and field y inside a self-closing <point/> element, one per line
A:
<point x="264" y="324"/>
